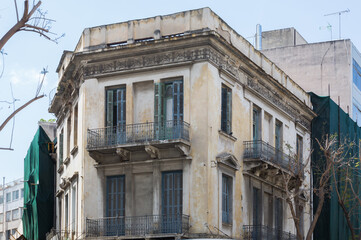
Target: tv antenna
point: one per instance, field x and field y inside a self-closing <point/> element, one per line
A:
<point x="339" y="19"/>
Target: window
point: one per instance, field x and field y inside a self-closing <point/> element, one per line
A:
<point x="301" y="216"/>
<point x="1" y="217"/>
<point x="172" y="200"/>
<point x="16" y="214"/>
<point x="278" y="214"/>
<point x="73" y="208"/>
<point x="226" y="110"/>
<point x="1" y="199"/>
<point x="168" y="102"/>
<point x="68" y="133"/>
<point x="8" y="197"/>
<point x="15" y="195"/>
<point x="299" y="148"/>
<point x="76" y="125"/>
<point x="8" y="235"/>
<point x="227" y="199"/>
<point x="256" y="123"/>
<point x="278" y="136"/>
<point x="356" y="74"/>
<point x="356" y="114"/>
<point x="8" y="216"/>
<point x="61" y="147"/>
<point x="267" y="129"/>
<point x="60" y="209"/>
<point x="257" y="207"/>
<point x="116" y="107"/>
<point x="66" y="208"/>
<point x="22" y="192"/>
<point x="268" y="209"/>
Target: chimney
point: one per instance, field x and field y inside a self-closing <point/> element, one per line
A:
<point x="258" y="37"/>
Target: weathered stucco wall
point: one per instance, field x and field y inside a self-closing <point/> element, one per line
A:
<point x="256" y="82"/>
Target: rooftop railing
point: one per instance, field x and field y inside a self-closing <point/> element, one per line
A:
<point x="261" y="150"/>
<point x="109" y="137"/>
<point x="137" y="226"/>
<point x="261" y="232"/>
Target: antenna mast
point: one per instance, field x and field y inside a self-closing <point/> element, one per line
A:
<point x="339" y="19"/>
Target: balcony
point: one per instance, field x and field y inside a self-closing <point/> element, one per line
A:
<point x="260" y="232"/>
<point x="259" y="156"/>
<point x="156" y="226"/>
<point x="148" y="137"/>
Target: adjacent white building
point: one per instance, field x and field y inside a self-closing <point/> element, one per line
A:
<point x="11" y="208"/>
<point x="330" y="68"/>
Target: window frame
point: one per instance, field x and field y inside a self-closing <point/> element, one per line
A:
<point x="226" y="109"/>
<point x="8" y="197"/>
<point x="8" y="216"/>
<point x="15" y="195"/>
<point x="114" y="102"/>
<point x="227" y="199"/>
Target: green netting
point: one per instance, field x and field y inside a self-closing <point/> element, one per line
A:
<point x="331" y="119"/>
<point x="38" y="188"/>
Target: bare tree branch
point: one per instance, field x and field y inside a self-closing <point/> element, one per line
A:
<point x="18" y="110"/>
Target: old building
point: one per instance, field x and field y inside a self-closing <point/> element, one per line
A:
<point x="11" y="208"/>
<point x="330" y="68"/>
<point x="175" y="126"/>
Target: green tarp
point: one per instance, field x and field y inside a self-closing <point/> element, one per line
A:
<point x="332" y="120"/>
<point x="38" y="188"/>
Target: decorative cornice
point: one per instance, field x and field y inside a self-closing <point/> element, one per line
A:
<point x="222" y="62"/>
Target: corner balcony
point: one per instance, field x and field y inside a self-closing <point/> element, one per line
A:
<point x="260" y="232"/>
<point x="149" y="138"/>
<point x="155" y="226"/>
<point x="263" y="160"/>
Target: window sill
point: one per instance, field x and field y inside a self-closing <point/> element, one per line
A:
<point x="224" y="134"/>
<point x="61" y="168"/>
<point x="227" y="224"/>
<point x="66" y="161"/>
<point x="74" y="150"/>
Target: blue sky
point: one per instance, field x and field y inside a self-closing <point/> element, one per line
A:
<point x="28" y="54"/>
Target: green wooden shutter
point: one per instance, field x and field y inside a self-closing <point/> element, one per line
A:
<point x="109" y="110"/>
<point x="158" y="101"/>
<point x="121" y="107"/>
<point x="224" y="109"/>
<point x="229" y="111"/>
<point x="177" y="101"/>
<point x="61" y="147"/>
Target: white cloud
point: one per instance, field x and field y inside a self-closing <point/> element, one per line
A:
<point x="26" y="77"/>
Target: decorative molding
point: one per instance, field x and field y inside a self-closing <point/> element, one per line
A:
<point x="183" y="149"/>
<point x="229" y="160"/>
<point x="226" y="135"/>
<point x="152" y="151"/>
<point x="66" y="160"/>
<point x="61" y="168"/>
<point x="74" y="150"/>
<point x="223" y="62"/>
<point x="123" y="154"/>
<point x="262" y="89"/>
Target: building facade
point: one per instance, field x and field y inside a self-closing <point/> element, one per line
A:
<point x="175" y="126"/>
<point x="11" y="208"/>
<point x="329" y="68"/>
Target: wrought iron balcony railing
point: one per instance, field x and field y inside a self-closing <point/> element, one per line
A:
<point x="137" y="226"/>
<point x="260" y="232"/>
<point x="261" y="150"/>
<point x="109" y="137"/>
